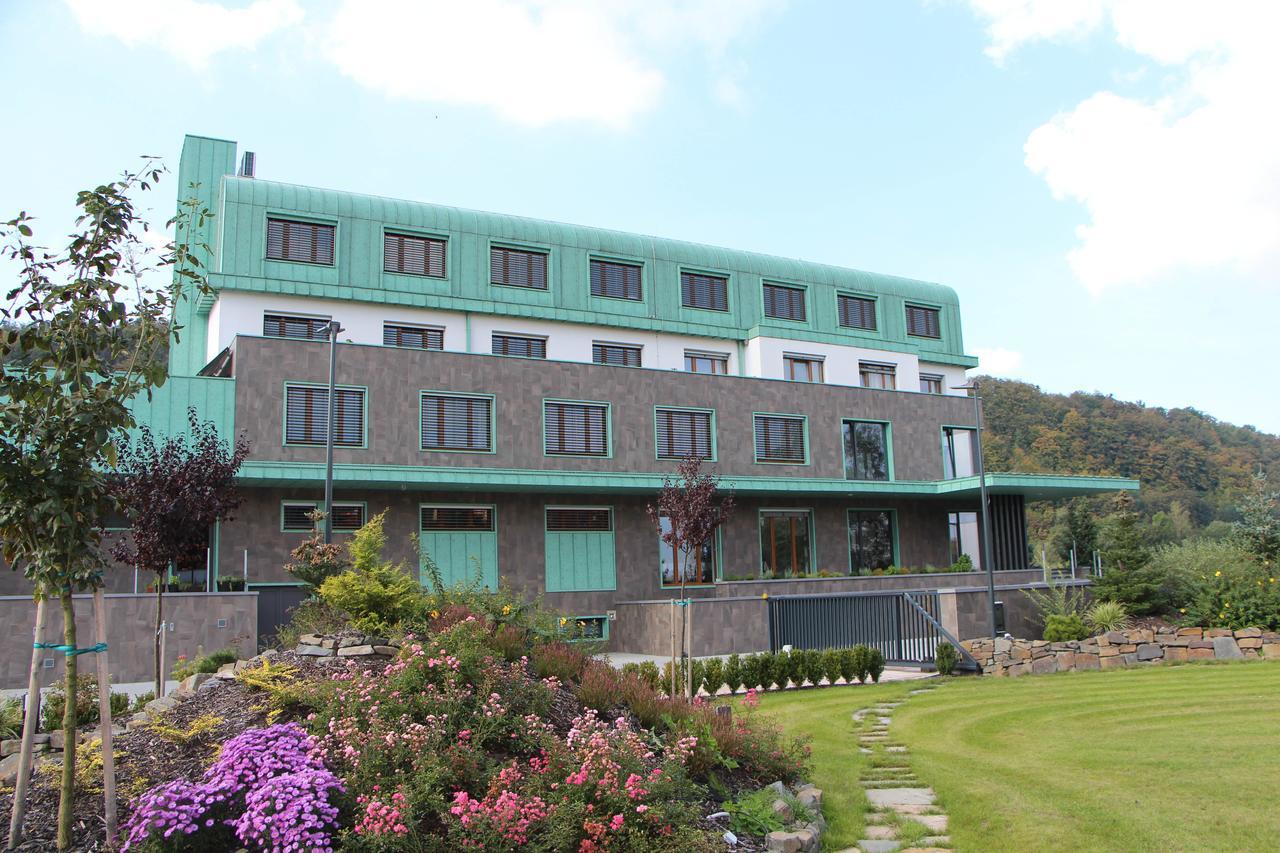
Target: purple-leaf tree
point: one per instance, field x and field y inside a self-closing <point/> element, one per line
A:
<point x="172" y="492"/>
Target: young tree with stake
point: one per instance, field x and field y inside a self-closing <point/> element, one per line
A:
<point x="86" y="354"/>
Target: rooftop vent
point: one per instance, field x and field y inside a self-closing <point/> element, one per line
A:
<point x="247" y="163"/>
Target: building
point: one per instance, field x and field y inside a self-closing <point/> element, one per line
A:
<point x="513" y="392"/>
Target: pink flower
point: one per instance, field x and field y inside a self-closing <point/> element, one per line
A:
<point x="616" y="823"/>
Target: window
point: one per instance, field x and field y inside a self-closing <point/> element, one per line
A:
<point x="866" y="450"/>
<point x="870" y="540"/>
<point x="456" y="519"/>
<point x="579" y="519"/>
<point x="303" y="328"/>
<point x="590" y="628"/>
<point x="517" y="268"/>
<point x="784" y="303"/>
<point x="958" y="457"/>
<point x="780" y="438"/>
<point x="307" y="416"/>
<point x="413" y="337"/>
<point x="347" y="517"/>
<point x="453" y="422"/>
<point x="802" y="368"/>
<point x="697" y="567"/>
<point x="518" y="345"/>
<point x="931" y="383"/>
<point x="683" y="432"/>
<point x="785" y="543"/>
<point x="304" y="242"/>
<point x="615" y="280"/>
<point x="710" y="292"/>
<point x="856" y="312"/>
<point x="874" y="375"/>
<point x="699" y="362"/>
<point x="405" y="253"/>
<point x="575" y="429"/>
<point x="923" y="322"/>
<point x="620" y="355"/>
<point x="964" y="535"/>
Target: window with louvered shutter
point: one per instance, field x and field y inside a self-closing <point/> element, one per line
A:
<point x="301" y="328"/>
<point x="456" y="518"/>
<point x="413" y="337"/>
<point x="856" y="312"/>
<point x="520" y="346"/>
<point x="923" y="322"/>
<point x="307" y="413"/>
<point x="784" y="303"/>
<point x="615" y="354"/>
<point x="615" y="280"/>
<point x="576" y="429"/>
<point x="779" y="438"/>
<point x="451" y="422"/>
<point x="517" y="268"/>
<point x="348" y="517"/>
<point x="704" y="291"/>
<point x="875" y="375"/>
<point x="405" y="253"/>
<point x="579" y="520"/>
<point x="682" y="433"/>
<point x="293" y="517"/>
<point x="303" y="242"/>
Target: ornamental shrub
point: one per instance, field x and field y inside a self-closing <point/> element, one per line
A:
<point x="733" y="673"/>
<point x="558" y="659"/>
<point x="87" y="711"/>
<point x="1060" y="628"/>
<point x="752" y="672"/>
<point x="649" y="673"/>
<point x="1239" y="596"/>
<point x="831" y="665"/>
<point x="1107" y="616"/>
<point x="875" y="664"/>
<point x="946" y="658"/>
<point x="811" y="665"/>
<point x="778" y="669"/>
<point x="599" y="686"/>
<point x="850" y="665"/>
<point x="712" y="675"/>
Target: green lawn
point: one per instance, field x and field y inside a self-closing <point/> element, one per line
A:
<point x="1162" y="758"/>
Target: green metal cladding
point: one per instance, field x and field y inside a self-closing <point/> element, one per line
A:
<point x="165" y="409"/>
<point x="460" y="556"/>
<point x="239" y="262"/>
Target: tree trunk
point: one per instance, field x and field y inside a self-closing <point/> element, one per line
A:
<point x="29" y="725"/>
<point x="159" y="685"/>
<point x="104" y="713"/>
<point x="66" y="801"/>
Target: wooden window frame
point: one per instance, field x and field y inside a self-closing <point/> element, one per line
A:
<point x="889" y="372"/>
<point x="932" y="378"/>
<point x="790" y="361"/>
<point x="713" y="357"/>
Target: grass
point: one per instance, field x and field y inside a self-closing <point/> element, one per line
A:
<point x="825" y="714"/>
<point x="1156" y="759"/>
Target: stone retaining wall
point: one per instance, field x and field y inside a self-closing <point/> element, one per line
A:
<point x="1118" y="649"/>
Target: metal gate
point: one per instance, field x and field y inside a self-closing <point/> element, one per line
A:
<point x="904" y="626"/>
<point x="275" y="608"/>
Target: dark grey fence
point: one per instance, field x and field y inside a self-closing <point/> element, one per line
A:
<point x="904" y="626"/>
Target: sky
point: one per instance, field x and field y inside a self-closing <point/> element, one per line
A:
<point x="1099" y="180"/>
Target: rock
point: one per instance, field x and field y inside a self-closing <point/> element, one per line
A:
<point x="784" y="842"/>
<point x="190" y="684"/>
<point x="1112" y="662"/>
<point x="42" y="738"/>
<point x="9" y="747"/>
<point x="9" y="770"/>
<point x="392" y="651"/>
<point x="881" y="832"/>
<point x="876" y="845"/>
<point x="935" y="822"/>
<point x="1201" y="644"/>
<point x="810" y="797"/>
<point x="1150" y="651"/>
<point x="1018" y="669"/>
<point x="57" y="740"/>
<point x="227" y="670"/>
<point x="808" y="839"/>
<point x="1194" y="633"/>
<point x="355" y="651"/>
<point x="348" y="642"/>
<point x="1248" y="632"/>
<point x="1225" y="648"/>
<point x="1213" y="633"/>
<point x="1175" y="653"/>
<point x="1271" y="650"/>
<point x="1116" y="638"/>
<point x="1249" y="642"/>
<point x="1084" y="661"/>
<point x="158" y="706"/>
<point x="1002" y="645"/>
<point x="779" y="788"/>
<point x="730" y="839"/>
<point x="1108" y="651"/>
<point x="310" y="640"/>
<point x="1195" y="653"/>
<point x="1043" y="665"/>
<point x="783" y="810"/>
<point x="313" y="651"/>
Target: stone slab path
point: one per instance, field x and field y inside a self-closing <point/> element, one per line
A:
<point x="905" y="817"/>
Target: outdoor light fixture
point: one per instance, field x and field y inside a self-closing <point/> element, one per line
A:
<point x="988" y="558"/>
<point x="334" y="330"/>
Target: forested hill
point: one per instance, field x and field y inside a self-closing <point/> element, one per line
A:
<point x="1180" y="455"/>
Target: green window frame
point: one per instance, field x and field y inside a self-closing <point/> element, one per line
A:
<point x="518" y="266"/>
<point x="617" y="279"/>
<point x="854" y="311"/>
<point x="461" y="540"/>
<point x="415" y="254"/>
<point x="301" y="242"/>
<point x="451" y="422"/>
<point x="704" y="291"/>
<point x="577" y="428"/>
<point x="680" y="432"/>
<point x="964" y="532"/>
<point x="782" y="554"/>
<point x="863" y="459"/>
<point x="959" y="454"/>
<point x="781" y="439"/>
<point x="873" y="539"/>
<point x="306" y="410"/>
<point x="348" y="516"/>
<point x="785" y="301"/>
<point x="923" y="321"/>
<point x="580" y="549"/>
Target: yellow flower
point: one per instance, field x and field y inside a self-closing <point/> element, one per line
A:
<point x="1217" y="574"/>
<point x="1273" y="580"/>
<point x="435" y="614"/>
<point x="563" y="621"/>
<point x="506" y="610"/>
<point x="1182" y="610"/>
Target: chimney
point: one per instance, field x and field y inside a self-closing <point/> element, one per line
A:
<point x="247" y="164"/>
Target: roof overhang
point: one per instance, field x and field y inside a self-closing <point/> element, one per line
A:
<point x="424" y="478"/>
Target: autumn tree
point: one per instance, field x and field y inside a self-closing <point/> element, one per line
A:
<point x="171" y="493"/>
<point x="1258" y="530"/>
<point x="64" y="406"/>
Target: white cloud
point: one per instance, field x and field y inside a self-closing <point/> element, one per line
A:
<point x="1188" y="180"/>
<point x="997" y="361"/>
<point x="535" y="62"/>
<point x="190" y="30"/>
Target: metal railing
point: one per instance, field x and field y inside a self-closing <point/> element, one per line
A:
<point x="904" y="626"/>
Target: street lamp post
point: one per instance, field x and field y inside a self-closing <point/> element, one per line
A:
<point x="988" y="557"/>
<point x="334" y="330"/>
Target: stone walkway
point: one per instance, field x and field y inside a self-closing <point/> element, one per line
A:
<point x="904" y="816"/>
